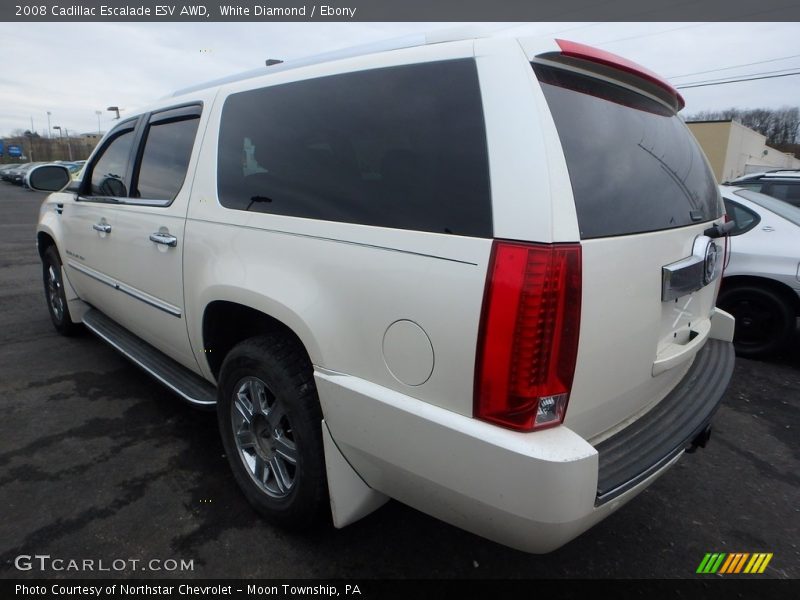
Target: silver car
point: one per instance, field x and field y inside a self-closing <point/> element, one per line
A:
<point x="761" y="284"/>
<point x="783" y="184"/>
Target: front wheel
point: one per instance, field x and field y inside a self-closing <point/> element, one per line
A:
<point x="765" y="321"/>
<point x="271" y="426"/>
<point x="55" y="295"/>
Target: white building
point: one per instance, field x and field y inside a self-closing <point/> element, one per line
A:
<point x="735" y="150"/>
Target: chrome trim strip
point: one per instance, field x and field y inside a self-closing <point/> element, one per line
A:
<point x="601" y="499"/>
<point x="693" y="272"/>
<point x="141" y="365"/>
<point x="681" y="278"/>
<point x="338" y="241"/>
<point x="126" y="289"/>
<point x="123" y="201"/>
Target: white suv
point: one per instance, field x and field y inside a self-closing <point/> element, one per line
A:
<point x="477" y="276"/>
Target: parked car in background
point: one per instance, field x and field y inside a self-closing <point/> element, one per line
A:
<point x="12" y="175"/>
<point x="77" y="172"/>
<point x="5" y="168"/>
<point x="784" y="184"/>
<point x="761" y="284"/>
<point x="73" y="168"/>
<point x="18" y="175"/>
<point x="9" y="171"/>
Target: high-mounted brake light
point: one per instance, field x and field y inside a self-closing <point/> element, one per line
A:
<point x="576" y="50"/>
<point x="528" y="341"/>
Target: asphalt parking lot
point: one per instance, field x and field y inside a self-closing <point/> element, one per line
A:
<point x="97" y="461"/>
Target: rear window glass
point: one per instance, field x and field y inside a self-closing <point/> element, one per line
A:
<point x="633" y="164"/>
<point x="401" y="147"/>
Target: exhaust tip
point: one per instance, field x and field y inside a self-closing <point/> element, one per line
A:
<point x="700" y="440"/>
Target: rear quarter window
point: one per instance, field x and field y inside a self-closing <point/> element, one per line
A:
<point x="633" y="164"/>
<point x="743" y="218"/>
<point x="401" y="147"/>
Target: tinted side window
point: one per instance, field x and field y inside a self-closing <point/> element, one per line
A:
<point x="755" y="186"/>
<point x="165" y="159"/>
<point x="110" y="171"/>
<point x="633" y="164"/>
<point x="744" y="218"/>
<point x="785" y="191"/>
<point x="401" y="147"/>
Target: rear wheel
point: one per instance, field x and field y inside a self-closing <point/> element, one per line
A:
<point x="55" y="295"/>
<point x="270" y="422"/>
<point x="765" y="320"/>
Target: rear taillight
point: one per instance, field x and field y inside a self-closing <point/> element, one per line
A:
<point x="528" y="340"/>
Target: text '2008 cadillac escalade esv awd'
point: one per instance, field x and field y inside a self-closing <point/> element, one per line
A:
<point x="474" y="275"/>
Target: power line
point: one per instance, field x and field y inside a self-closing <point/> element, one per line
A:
<point x="652" y="33"/>
<point x="547" y="33"/>
<point x="584" y="26"/>
<point x="742" y="75"/>
<point x="696" y="85"/>
<point x="760" y="62"/>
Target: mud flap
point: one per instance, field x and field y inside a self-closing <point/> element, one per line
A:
<point x="722" y="325"/>
<point x="351" y="498"/>
<point x="77" y="307"/>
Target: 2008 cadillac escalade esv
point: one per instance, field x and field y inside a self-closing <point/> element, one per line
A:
<point x="475" y="275"/>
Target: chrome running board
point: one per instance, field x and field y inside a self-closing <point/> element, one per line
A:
<point x="189" y="386"/>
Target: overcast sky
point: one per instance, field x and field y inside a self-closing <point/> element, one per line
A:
<point x="75" y="69"/>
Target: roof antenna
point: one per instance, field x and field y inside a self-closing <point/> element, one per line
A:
<point x="273" y="61"/>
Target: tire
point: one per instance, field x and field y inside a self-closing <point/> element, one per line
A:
<point x="55" y="296"/>
<point x="765" y="320"/>
<point x="274" y="445"/>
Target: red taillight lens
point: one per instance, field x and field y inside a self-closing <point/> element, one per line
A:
<point x="528" y="340"/>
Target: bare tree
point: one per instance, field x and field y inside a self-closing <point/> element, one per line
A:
<point x="781" y="126"/>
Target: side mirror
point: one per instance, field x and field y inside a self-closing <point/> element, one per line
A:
<point x="112" y="186"/>
<point x="49" y="178"/>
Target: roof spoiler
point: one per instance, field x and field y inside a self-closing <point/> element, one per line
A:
<point x="659" y="85"/>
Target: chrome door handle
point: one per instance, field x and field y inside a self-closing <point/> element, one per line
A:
<point x="164" y="239"/>
<point x="102" y="227"/>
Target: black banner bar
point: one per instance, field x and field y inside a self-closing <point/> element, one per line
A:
<point x="399" y="10"/>
<point x="711" y="588"/>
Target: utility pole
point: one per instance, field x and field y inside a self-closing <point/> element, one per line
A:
<point x="60" y="137"/>
<point x="98" y="113"/>
<point x="30" y="143"/>
<point x="48" y="125"/>
<point x="69" y="146"/>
